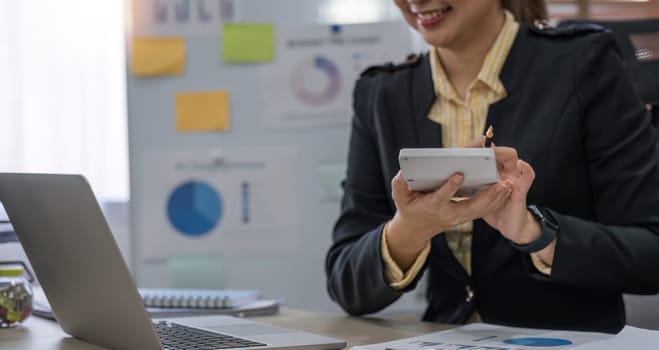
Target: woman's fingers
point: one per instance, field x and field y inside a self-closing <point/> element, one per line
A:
<point x="477" y="142"/>
<point x="486" y="201"/>
<point x="526" y="177"/>
<point x="448" y="190"/>
<point x="507" y="162"/>
<point x="399" y="188"/>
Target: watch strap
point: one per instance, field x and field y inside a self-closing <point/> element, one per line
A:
<point x="548" y="230"/>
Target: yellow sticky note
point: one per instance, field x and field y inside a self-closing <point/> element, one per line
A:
<point x="202" y="111"/>
<point x="248" y="42"/>
<point x="158" y="56"/>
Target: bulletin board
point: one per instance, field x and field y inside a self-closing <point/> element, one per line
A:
<point x="239" y="116"/>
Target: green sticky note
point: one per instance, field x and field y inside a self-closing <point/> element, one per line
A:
<point x="248" y="42"/>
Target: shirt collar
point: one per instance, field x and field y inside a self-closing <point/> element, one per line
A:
<point x="494" y="60"/>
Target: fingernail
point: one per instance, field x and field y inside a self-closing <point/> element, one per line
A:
<point x="457" y="179"/>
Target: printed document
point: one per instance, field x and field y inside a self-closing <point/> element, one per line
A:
<point x="481" y="336"/>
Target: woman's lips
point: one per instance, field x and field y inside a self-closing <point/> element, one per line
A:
<point x="430" y="18"/>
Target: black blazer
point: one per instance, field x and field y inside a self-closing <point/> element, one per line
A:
<point x="572" y="114"/>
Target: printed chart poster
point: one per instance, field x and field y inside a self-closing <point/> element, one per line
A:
<point x="191" y="18"/>
<point x="234" y="201"/>
<point x="311" y="80"/>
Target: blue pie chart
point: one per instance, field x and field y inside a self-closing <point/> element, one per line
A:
<point x="194" y="208"/>
<point x="540" y="342"/>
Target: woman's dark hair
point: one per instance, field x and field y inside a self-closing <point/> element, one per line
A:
<point x="526" y="11"/>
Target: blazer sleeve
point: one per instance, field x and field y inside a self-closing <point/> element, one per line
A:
<point x="354" y="265"/>
<point x="619" y="250"/>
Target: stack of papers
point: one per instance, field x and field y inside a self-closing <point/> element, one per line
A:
<point x="481" y="336"/>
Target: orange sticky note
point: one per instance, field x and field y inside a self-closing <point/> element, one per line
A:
<point x="158" y="56"/>
<point x="202" y="111"/>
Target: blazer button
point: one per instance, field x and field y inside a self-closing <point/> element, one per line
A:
<point x="470" y="293"/>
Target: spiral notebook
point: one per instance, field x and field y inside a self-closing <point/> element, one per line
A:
<point x="259" y="307"/>
<point x="197" y="298"/>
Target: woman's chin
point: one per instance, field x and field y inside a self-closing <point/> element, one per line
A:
<point x="435" y="40"/>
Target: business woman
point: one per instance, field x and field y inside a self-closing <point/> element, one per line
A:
<point x="573" y="223"/>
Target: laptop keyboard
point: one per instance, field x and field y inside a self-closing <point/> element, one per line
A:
<point x="175" y="336"/>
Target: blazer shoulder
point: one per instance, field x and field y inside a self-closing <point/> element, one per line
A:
<point x="373" y="79"/>
<point x="565" y="30"/>
<point x="410" y="62"/>
<point x="571" y="38"/>
<point x="386" y="80"/>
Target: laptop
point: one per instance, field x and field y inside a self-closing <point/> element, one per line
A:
<point x="92" y="293"/>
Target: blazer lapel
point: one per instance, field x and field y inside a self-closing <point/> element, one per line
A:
<point x="429" y="134"/>
<point x="512" y="76"/>
<point x="422" y="95"/>
<point x="500" y="116"/>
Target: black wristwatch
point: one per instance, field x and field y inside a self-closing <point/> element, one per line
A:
<point x="548" y="230"/>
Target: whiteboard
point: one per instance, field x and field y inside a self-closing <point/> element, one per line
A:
<point x="294" y="268"/>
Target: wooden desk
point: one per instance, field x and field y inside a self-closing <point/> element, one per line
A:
<point x="40" y="334"/>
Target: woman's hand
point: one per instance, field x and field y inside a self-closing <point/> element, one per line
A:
<point x="506" y="158"/>
<point x="420" y="216"/>
<point x="512" y="219"/>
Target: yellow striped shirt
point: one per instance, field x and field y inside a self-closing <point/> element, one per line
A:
<point x="464" y="120"/>
<point x="461" y="122"/>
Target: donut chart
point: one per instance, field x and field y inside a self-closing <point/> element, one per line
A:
<point x="315" y="81"/>
<point x="194" y="208"/>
